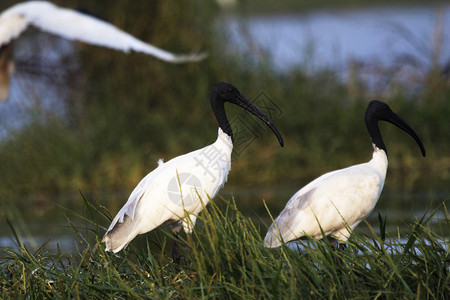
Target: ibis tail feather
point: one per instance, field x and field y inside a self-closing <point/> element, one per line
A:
<point x="118" y="237"/>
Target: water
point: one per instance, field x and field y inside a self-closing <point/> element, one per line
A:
<point x="392" y="247"/>
<point x="42" y="82"/>
<point x="333" y="38"/>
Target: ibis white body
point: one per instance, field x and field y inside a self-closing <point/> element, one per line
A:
<point x="179" y="189"/>
<point x="176" y="191"/>
<point x="336" y="202"/>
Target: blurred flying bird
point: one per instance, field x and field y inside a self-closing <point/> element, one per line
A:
<point x="176" y="191"/>
<point x="72" y="25"/>
<point x="337" y="202"/>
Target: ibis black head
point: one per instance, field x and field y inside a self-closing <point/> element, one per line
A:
<point x="380" y="111"/>
<point x="224" y="92"/>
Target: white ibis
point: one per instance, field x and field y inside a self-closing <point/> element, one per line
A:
<point x="338" y="201"/>
<point x="176" y="191"/>
<point x="72" y="25"/>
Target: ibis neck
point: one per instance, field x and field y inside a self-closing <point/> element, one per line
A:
<point x="221" y="117"/>
<point x="379" y="161"/>
<point x="375" y="134"/>
<point x="224" y="142"/>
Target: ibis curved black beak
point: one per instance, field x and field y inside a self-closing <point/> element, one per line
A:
<point x="400" y="123"/>
<point x="248" y="105"/>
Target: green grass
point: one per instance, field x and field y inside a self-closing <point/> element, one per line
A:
<point x="225" y="258"/>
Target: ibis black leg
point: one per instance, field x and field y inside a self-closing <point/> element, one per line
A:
<point x="342" y="246"/>
<point x="332" y="241"/>
<point x="176" y="255"/>
<point x="336" y="244"/>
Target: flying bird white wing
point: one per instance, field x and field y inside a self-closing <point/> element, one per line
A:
<point x="74" y="25"/>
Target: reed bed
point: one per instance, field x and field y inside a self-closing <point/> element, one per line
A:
<point x="225" y="259"/>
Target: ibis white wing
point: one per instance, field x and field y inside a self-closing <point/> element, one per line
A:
<point x="333" y="202"/>
<point x="129" y="208"/>
<point x="174" y="191"/>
